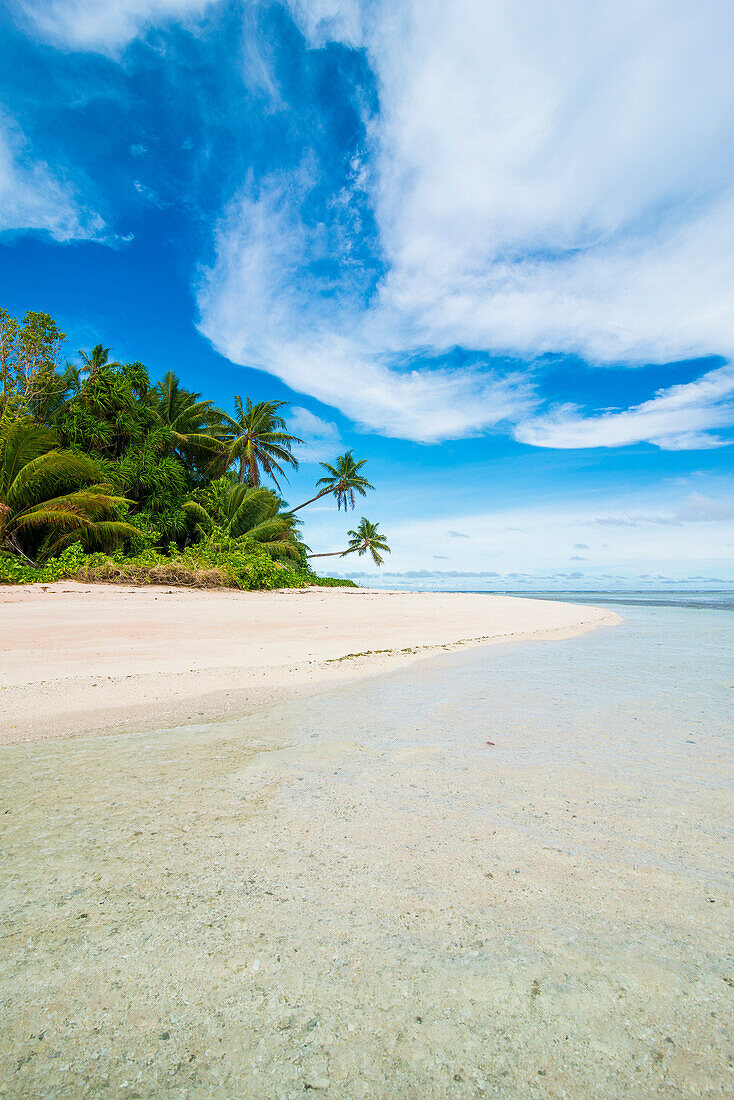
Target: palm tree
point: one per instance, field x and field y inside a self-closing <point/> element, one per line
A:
<point x="365" y="538"/>
<point x="50" y="498"/>
<point x="255" y="514"/>
<point x="343" y="480"/>
<point x="195" y="424"/>
<point x="260" y="442"/>
<point x="97" y="358"/>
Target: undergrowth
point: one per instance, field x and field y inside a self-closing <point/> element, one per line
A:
<point x="209" y="564"/>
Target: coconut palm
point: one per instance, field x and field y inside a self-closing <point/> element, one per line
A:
<point x="97" y="358"/>
<point x="260" y="442"/>
<point x="365" y="538"/>
<point x="50" y="498"/>
<point x="255" y="514"/>
<point x="196" y="425"/>
<point x="343" y="479"/>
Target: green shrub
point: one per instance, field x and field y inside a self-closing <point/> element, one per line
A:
<point x="14" y="570"/>
<point x="329" y="582"/>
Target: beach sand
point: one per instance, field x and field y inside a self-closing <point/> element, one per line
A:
<point x="80" y="659"/>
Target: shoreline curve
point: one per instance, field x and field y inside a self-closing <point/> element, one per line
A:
<point x="81" y="660"/>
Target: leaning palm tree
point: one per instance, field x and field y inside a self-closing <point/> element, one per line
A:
<point x="343" y="479"/>
<point x="50" y="498"/>
<point x="260" y="442"/>
<point x="365" y="538"/>
<point x="195" y="424"/>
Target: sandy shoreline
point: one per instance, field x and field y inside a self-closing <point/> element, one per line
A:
<point x="80" y="659"/>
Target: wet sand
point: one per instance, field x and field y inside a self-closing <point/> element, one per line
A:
<point x="81" y="659"/>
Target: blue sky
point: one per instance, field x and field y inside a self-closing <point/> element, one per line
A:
<point x="488" y="245"/>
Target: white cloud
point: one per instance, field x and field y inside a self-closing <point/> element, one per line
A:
<point x="695" y="508"/>
<point x="543" y="178"/>
<point x="321" y="438"/>
<point x="262" y="306"/>
<point x="678" y="418"/>
<point x="32" y="197"/>
<point x="103" y="25"/>
<point x="330" y="20"/>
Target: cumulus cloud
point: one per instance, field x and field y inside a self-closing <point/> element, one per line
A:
<point x="33" y="197"/>
<point x="542" y="179"/>
<point x="103" y="25"/>
<point x="420" y="574"/>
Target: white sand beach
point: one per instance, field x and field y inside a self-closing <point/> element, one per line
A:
<point x="80" y="658"/>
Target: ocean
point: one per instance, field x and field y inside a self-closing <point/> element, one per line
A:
<point x="700" y="600"/>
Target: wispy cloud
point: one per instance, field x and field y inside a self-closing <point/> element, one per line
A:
<point x="678" y="418"/>
<point x="265" y="303"/>
<point x="321" y="438"/>
<point x="530" y="181"/>
<point x="571" y="194"/>
<point x="103" y="25"/>
<point x="641" y="531"/>
<point x="33" y="197"/>
<point x="696" y="508"/>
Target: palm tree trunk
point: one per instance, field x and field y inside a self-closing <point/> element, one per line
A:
<point x="241" y="478"/>
<point x="331" y="554"/>
<point x="318" y="496"/>
<point x="343" y="553"/>
<point x="254" y="473"/>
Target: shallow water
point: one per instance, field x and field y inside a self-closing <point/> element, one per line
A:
<point x="357" y="895"/>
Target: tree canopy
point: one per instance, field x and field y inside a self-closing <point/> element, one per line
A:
<point x="98" y="459"/>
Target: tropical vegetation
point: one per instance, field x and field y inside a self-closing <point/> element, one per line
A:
<point x="108" y="475"/>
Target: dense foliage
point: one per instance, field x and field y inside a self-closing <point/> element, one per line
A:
<point x="106" y="475"/>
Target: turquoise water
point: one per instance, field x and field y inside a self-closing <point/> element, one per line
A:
<point x="714" y="601"/>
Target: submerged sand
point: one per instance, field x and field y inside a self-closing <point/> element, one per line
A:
<point x="78" y="659"/>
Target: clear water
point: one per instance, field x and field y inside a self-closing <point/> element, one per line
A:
<point x="357" y="888"/>
<point x="640" y="692"/>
